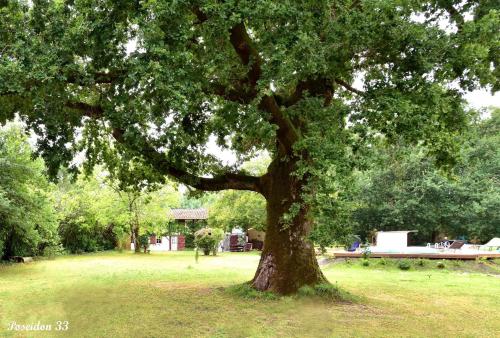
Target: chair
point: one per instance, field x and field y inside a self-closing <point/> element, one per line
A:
<point x="456" y="245"/>
<point x="235" y="244"/>
<point x="354" y="246"/>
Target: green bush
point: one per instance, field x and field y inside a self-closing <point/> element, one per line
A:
<point x="382" y="261"/>
<point x="122" y="238"/>
<point x="144" y="242"/>
<point x="365" y="262"/>
<point x="420" y="262"/>
<point x="208" y="239"/>
<point x="326" y="291"/>
<point x="481" y="260"/>
<point x="441" y="265"/>
<point x="404" y="264"/>
<point x="53" y="250"/>
<point x="80" y="233"/>
<point x="306" y="291"/>
<point x="248" y="292"/>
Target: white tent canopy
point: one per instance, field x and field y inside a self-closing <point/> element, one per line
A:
<point x="493" y="242"/>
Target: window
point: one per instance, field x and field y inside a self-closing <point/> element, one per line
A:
<point x="158" y="240"/>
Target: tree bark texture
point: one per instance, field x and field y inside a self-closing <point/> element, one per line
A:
<point x="288" y="261"/>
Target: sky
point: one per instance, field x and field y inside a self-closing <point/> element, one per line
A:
<point x="482" y="99"/>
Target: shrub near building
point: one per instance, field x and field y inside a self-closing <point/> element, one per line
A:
<point x="207" y="239"/>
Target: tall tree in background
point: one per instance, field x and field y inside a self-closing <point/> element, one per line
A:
<point x="238" y="209"/>
<point x="405" y="190"/>
<point x="90" y="214"/>
<point x="131" y="183"/>
<point x="241" y="209"/>
<point x="28" y="222"/>
<point x="267" y="75"/>
<point x="479" y="175"/>
<point x="96" y="212"/>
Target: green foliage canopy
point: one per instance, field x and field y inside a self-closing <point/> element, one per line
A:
<point x="252" y="74"/>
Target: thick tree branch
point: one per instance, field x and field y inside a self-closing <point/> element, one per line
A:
<point x="87" y="109"/>
<point x="242" y="90"/>
<point x="237" y="181"/>
<point x="454" y="15"/>
<point x="249" y="56"/>
<point x="225" y="181"/>
<point x="245" y="90"/>
<point x="97" y="77"/>
<point x="315" y="87"/>
<point x="287" y="133"/>
<point x="349" y="87"/>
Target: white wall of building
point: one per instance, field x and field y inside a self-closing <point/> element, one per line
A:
<point x="164" y="245"/>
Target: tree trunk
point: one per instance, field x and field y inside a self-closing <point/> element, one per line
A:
<point x="134" y="224"/>
<point x="137" y="244"/>
<point x="288" y="261"/>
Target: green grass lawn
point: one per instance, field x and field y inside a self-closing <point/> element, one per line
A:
<point x="127" y="295"/>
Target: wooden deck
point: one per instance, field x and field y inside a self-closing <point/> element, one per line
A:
<point x="450" y="255"/>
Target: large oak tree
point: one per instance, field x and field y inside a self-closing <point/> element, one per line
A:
<point x="307" y="80"/>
